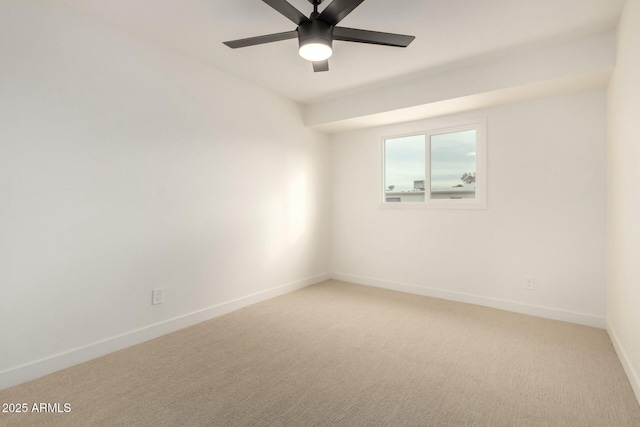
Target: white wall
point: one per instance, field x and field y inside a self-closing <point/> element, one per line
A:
<point x="545" y="216"/>
<point x="125" y="167"/>
<point x="623" y="201"/>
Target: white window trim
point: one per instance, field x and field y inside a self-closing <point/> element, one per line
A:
<point x="480" y="200"/>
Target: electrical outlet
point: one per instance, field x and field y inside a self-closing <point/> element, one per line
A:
<point x="530" y="283"/>
<point x="156" y="296"/>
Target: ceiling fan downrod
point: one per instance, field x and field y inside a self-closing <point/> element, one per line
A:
<point x="315" y="4"/>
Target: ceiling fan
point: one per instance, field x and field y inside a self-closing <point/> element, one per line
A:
<point x="317" y="32"/>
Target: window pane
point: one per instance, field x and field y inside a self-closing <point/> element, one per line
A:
<point x="404" y="169"/>
<point x="453" y="165"/>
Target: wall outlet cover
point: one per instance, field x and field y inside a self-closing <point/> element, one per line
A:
<point x="157" y="296"/>
<point x="530" y="283"/>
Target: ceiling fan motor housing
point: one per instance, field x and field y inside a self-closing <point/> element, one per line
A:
<point x="315" y="31"/>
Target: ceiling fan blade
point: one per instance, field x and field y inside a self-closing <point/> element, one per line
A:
<point x="321" y="65"/>
<point x="287" y="10"/>
<point x="251" y="41"/>
<point x="337" y="10"/>
<point x="373" y="37"/>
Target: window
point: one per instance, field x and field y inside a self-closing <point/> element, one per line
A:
<point x="405" y="166"/>
<point x="443" y="168"/>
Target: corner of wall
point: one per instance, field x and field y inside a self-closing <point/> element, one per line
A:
<point x="634" y="379"/>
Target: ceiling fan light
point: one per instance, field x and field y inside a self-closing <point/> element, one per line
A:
<point x="315" y="51"/>
<point x="314" y="40"/>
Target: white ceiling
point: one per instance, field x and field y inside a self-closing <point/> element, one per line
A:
<point x="447" y="32"/>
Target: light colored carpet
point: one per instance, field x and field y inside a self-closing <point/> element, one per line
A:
<point x="342" y="354"/>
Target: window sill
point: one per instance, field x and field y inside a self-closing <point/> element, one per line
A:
<point x="437" y="204"/>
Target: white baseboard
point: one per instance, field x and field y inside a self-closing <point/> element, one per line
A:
<point x="517" y="307"/>
<point x="634" y="379"/>
<point x="48" y="365"/>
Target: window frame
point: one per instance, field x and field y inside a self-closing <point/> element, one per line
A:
<point x="480" y="199"/>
